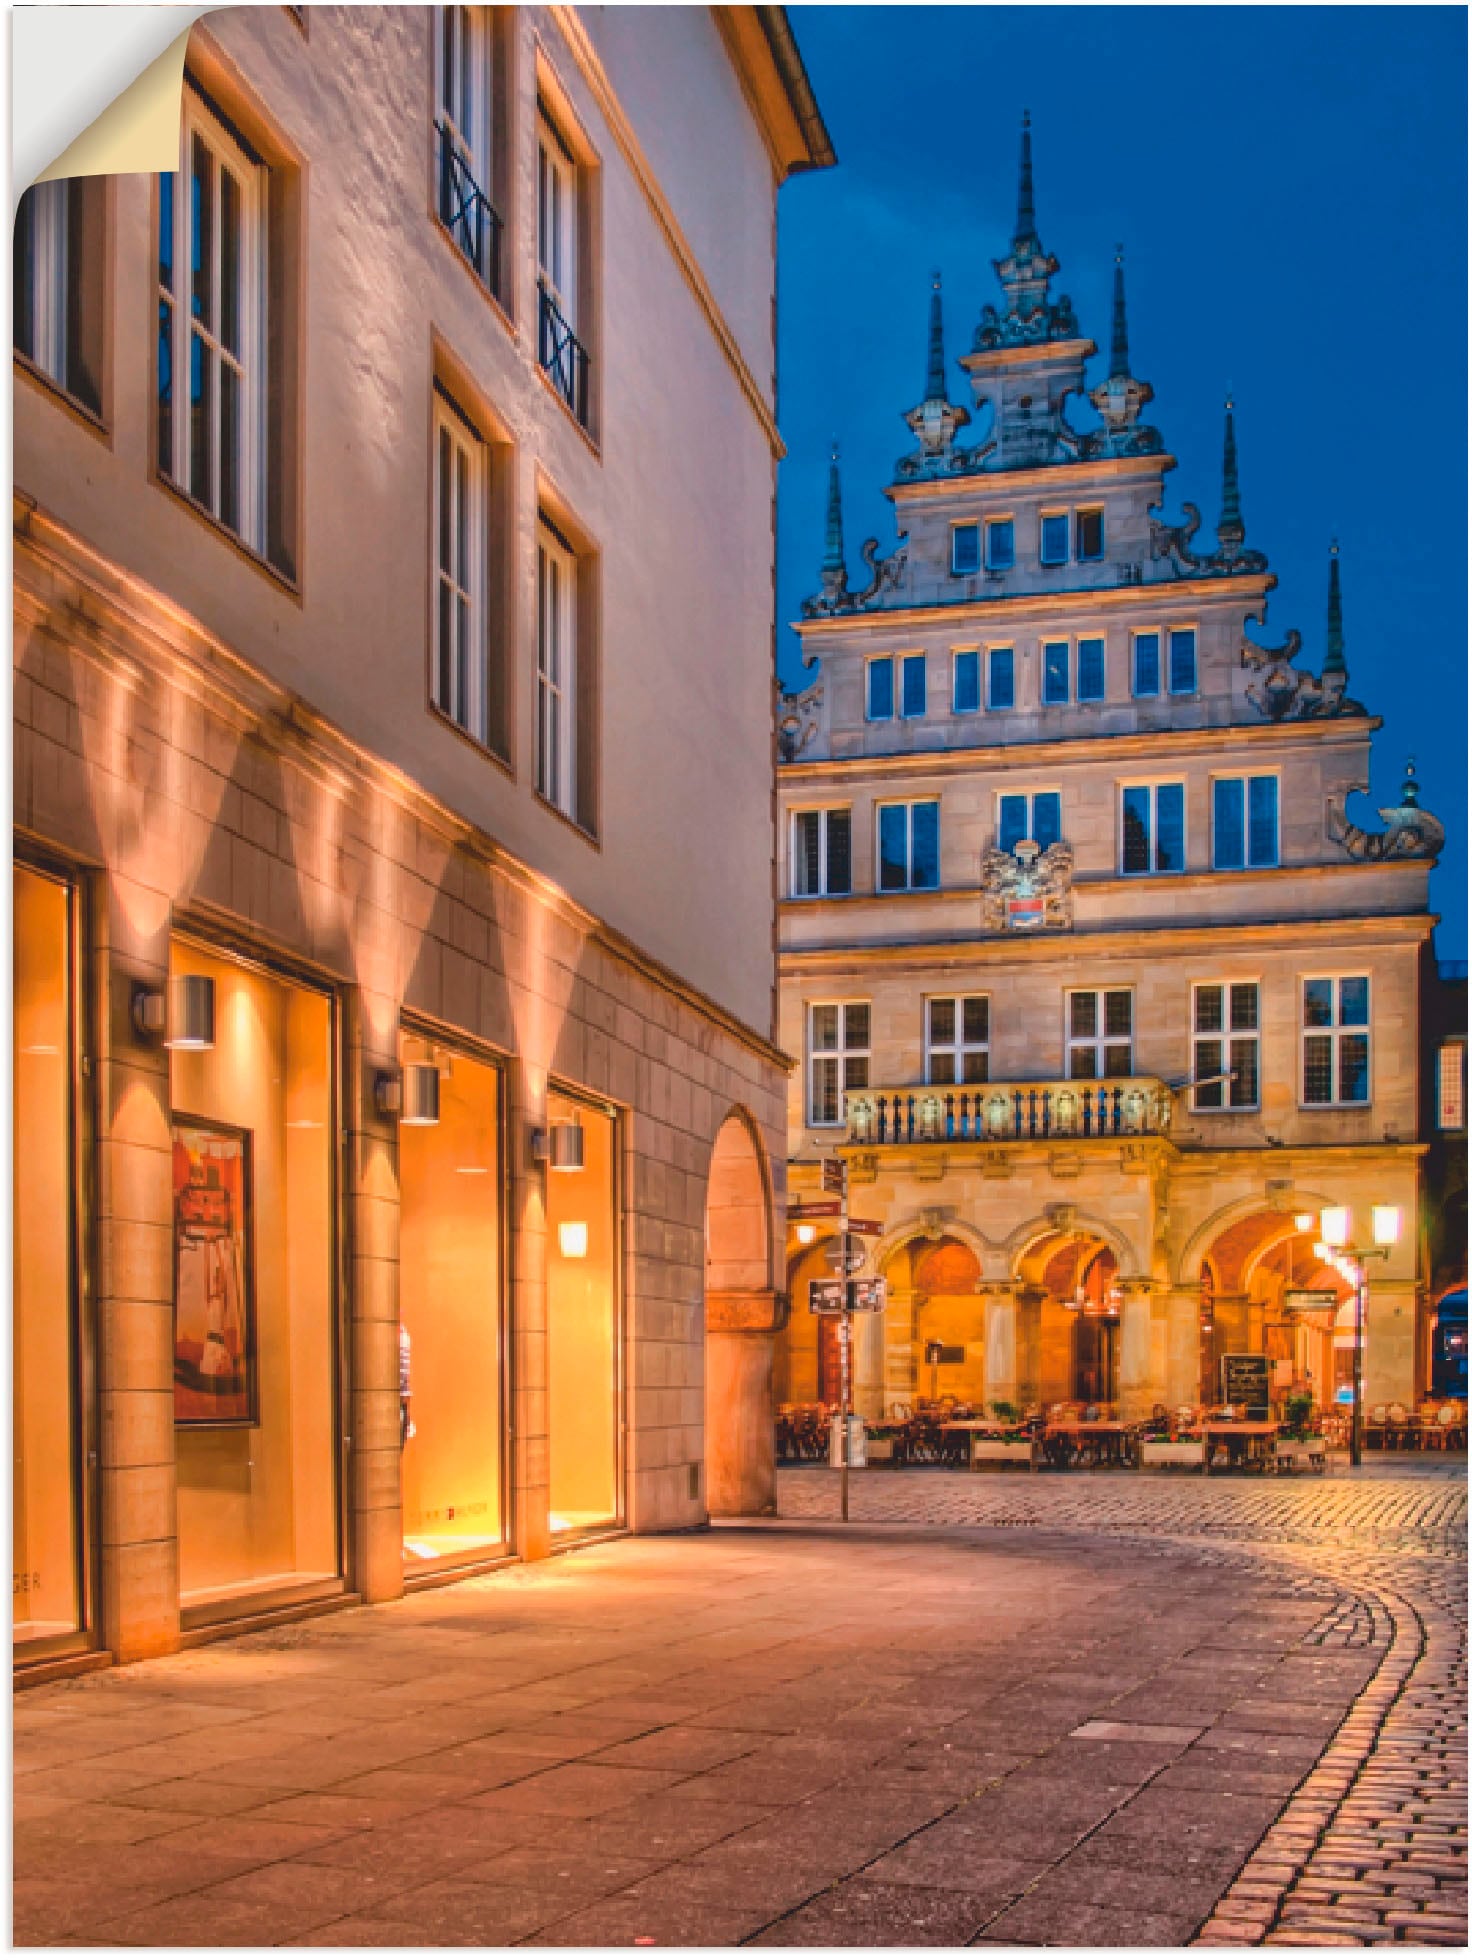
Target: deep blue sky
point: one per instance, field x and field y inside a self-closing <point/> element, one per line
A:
<point x="1289" y="184"/>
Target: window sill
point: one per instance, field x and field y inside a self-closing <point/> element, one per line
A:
<point x="53" y="390"/>
<point x="561" y="400"/>
<point x="589" y="837"/>
<point x="473" y="742"/>
<point x="248" y="553"/>
<point x="496" y="303"/>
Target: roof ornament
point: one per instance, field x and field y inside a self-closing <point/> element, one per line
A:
<point x="1231" y="532"/>
<point x="885" y="573"/>
<point x="1334" y="662"/>
<point x="936" y="419"/>
<point x="1030" y="316"/>
<point x="1120" y="398"/>
<point x="1286" y="692"/>
<point x="1410" y="831"/>
<point x="1231" y="557"/>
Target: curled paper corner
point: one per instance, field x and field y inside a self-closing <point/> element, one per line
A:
<point x="96" y="90"/>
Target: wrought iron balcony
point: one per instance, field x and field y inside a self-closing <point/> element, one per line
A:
<point x="468" y="214"/>
<point x="1010" y="1112"/>
<point x="562" y="355"/>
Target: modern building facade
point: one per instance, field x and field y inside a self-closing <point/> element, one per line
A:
<point x="1098" y="987"/>
<point x="399" y="1171"/>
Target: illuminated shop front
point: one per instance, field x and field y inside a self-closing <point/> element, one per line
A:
<point x="255" y="1314"/>
<point x="452" y="1395"/>
<point x="584" y="1350"/>
<point x="47" y="1569"/>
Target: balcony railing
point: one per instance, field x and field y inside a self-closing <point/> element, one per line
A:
<point x="468" y="214"/>
<point x="563" y="356"/>
<point x="1010" y="1112"/>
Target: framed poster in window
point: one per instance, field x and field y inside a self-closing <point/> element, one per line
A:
<point x="214" y="1277"/>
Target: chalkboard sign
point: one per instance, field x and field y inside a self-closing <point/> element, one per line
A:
<point x="1246" y="1382"/>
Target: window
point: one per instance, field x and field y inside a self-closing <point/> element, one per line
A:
<point x="879" y="690"/>
<point x="1153" y="824"/>
<point x="909" y="847"/>
<point x="1183" y="660"/>
<point x="958" y="1036"/>
<point x="838" y="1057"/>
<point x="1091" y="670"/>
<point x="1451" y="1085"/>
<point x="1101" y="1027"/>
<point x="1055" y="673"/>
<point x="212" y="326"/>
<point x="463" y="85"/>
<point x="58" y="284"/>
<point x="1146" y="675"/>
<point x="1001" y="680"/>
<point x="1001" y="548"/>
<point x="459" y="666"/>
<point x="1244" y="822"/>
<point x="561" y="353"/>
<point x="966" y="682"/>
<point x="1037" y="814"/>
<point x="1089" y="535"/>
<point x="557" y="673"/>
<point x="1224" y="1044"/>
<point x="822" y="854"/>
<point x="1336" y="1040"/>
<point x="1053" y="537"/>
<point x="965" y="549"/>
<point x="912" y="685"/>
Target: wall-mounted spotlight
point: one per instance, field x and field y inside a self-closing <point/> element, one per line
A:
<point x="184" y="1017"/>
<point x="412" y="1094"/>
<point x="559" y="1146"/>
<point x="572" y="1238"/>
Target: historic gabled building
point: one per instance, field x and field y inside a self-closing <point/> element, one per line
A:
<point x="1095" y="982"/>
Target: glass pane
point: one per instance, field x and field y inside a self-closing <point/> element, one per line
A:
<point x="230" y="261"/>
<point x="965" y="549"/>
<point x="1119" y="1059"/>
<point x="1135" y="811"/>
<point x="1091" y="670"/>
<point x="1209" y="1063"/>
<point x="1318" y="1003"/>
<point x="1244" y="1005"/>
<point x="461" y="707"/>
<point x="462" y="518"/>
<point x="976" y="1018"/>
<point x="967" y="693"/>
<point x="1000" y="689"/>
<point x="229" y="512"/>
<point x="165" y="431"/>
<point x="1262" y="809"/>
<point x="1011" y="822"/>
<point x="1244" y="1074"/>
<point x="805" y="854"/>
<point x="856" y="1024"/>
<point x="1354" y="1003"/>
<point x="201" y="421"/>
<point x="943" y="1065"/>
<point x="825" y="1027"/>
<point x="447" y="509"/>
<point x="1228" y="839"/>
<point x="448" y="39"/>
<point x="1047" y="818"/>
<point x="1147" y="663"/>
<point x="1209" y="1011"/>
<point x="894" y="860"/>
<point x="1083" y="1014"/>
<point x="942" y="1022"/>
<point x="914" y="684"/>
<point x="825" y="1092"/>
<point x="1090" y="534"/>
<point x="840" y="854"/>
<point x="582" y="1327"/>
<point x="1318" y="1068"/>
<point x="202" y="232"/>
<point x="974" y="1066"/>
<point x="1055" y="539"/>
<point x="856" y="1071"/>
<point x="1119" y="1011"/>
<point x="1354" y="1068"/>
<point x="1082" y="1065"/>
<point x="1183" y="662"/>
<point x="1170" y="823"/>
<point x="999" y="545"/>
<point x="881" y="690"/>
<point x="925" y="847"/>
<point x="444" y="641"/>
<point x="1055" y="672"/>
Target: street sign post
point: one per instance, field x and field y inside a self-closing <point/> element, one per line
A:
<point x="869" y="1228"/>
<point x="1309" y="1299"/>
<point x="814" y="1208"/>
<point x="835" y="1176"/>
<point x="845" y="1256"/>
<point x="836" y="1296"/>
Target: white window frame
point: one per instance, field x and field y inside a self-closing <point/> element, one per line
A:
<point x="903" y="663"/>
<point x="1099" y="1040"/>
<point x="909" y="804"/>
<point x="1167" y="663"/>
<point x="876" y="660"/>
<point x="1044" y="699"/>
<point x="557" y="219"/>
<point x="958" y="1047"/>
<point x="1063" y="516"/>
<point x="1227" y="1040"/>
<point x="823" y="812"/>
<point x="958" y="654"/>
<point x="1451" y="1086"/>
<point x="557" y="671"/>
<point x="967" y="571"/>
<point x="468" y="118"/>
<point x="1335" y="1030"/>
<point x="991" y="706"/>
<point x="1030" y="797"/>
<point x="51" y="298"/>
<point x="1155" y="785"/>
<point x="249" y="361"/>
<point x="839" y="1057"/>
<point x="991" y="524"/>
<point x="1080" y="640"/>
<point x="465" y="700"/>
<point x="1157" y="634"/>
<point x="1246" y="778"/>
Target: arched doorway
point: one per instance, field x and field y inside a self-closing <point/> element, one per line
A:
<point x="1255" y="1278"/>
<point x="741" y="1319"/>
<point x="1071" y="1306"/>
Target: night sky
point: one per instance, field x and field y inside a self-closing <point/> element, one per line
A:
<point x="1289" y="185"/>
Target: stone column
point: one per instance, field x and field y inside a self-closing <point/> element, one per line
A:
<point x="868" y="1361"/>
<point x="740" y="1412"/>
<point x="1137" y="1389"/>
<point x="1183" y="1347"/>
<point x="902" y="1381"/>
<point x="1000" y="1358"/>
<point x="531" y="1487"/>
<point x="1030" y="1344"/>
<point x="1390" y="1341"/>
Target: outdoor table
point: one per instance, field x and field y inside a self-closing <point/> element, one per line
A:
<point x="1254" y="1437"/>
<point x="976" y="1429"/>
<point x="1109" y="1438"/>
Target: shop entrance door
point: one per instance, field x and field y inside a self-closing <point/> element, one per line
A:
<point x="1096" y="1359"/>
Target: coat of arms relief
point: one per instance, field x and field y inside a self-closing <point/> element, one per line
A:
<point x="1027" y="889"/>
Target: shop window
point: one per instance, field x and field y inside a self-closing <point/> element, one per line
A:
<point x="966" y="682"/>
<point x="1101" y="1033"/>
<point x="909" y="846"/>
<point x="254" y="1307"/>
<point x="58" y="289"/>
<point x="958" y="1033"/>
<point x="912" y="686"/>
<point x="822" y="854"/>
<point x="1001" y="678"/>
<point x="965" y="550"/>
<point x="838" y="1057"/>
<point x="1244" y="822"/>
<point x="1336" y="1040"/>
<point x="1153" y="827"/>
<point x="1053" y="537"/>
<point x="1224" y="1048"/>
<point x="1145" y="672"/>
<point x="879" y="689"/>
<point x="1001" y="545"/>
<point x="1037" y="814"/>
<point x="46" y="1565"/>
<point x="451" y="1398"/>
<point x="583" y="1347"/>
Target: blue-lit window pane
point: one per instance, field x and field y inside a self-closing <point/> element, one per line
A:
<point x="912" y="684"/>
<point x="1170" y="827"/>
<point x="1147" y="664"/>
<point x="1090" y="535"/>
<point x="1354" y="1003"/>
<point x="1047" y="819"/>
<point x="894" y="841"/>
<point x="1318" y="1003"/>
<point x="965" y="549"/>
<point x="966" y="683"/>
<point x="1001" y="549"/>
<point x="1228" y="834"/>
<point x="1091" y="670"/>
<point x="1183" y="661"/>
<point x="1262" y="820"/>
<point x="881" y="690"/>
<point x="925" y="846"/>
<point x="1000" y="688"/>
<point x="1135" y="814"/>
<point x="1053" y="539"/>
<point x="1055" y="672"/>
<point x="1354" y="1068"/>
<point x="1011" y="822"/>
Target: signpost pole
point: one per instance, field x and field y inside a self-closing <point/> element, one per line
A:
<point x="845" y="1338"/>
<point x="1356" y="1414"/>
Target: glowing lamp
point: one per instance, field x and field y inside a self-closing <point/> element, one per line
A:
<point x="1304" y="1222"/>
<point x="572" y="1238"/>
<point x="559" y="1146"/>
<point x="1334" y="1224"/>
<point x="806" y="1234"/>
<point x="421" y="1095"/>
<point x="1385" y="1224"/>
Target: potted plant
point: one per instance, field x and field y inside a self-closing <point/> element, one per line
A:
<point x="1298" y="1436"/>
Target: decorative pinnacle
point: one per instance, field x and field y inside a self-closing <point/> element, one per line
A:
<point x="1119" y="339"/>
<point x="1334" y="653"/>
<point x="1410" y="789"/>
<point x="1231" y="530"/>
<point x="935" y="367"/>
<point x="833" y="539"/>
<point x="1026" y="232"/>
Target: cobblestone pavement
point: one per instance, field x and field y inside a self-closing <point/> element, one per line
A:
<point x="1373" y="1844"/>
<point x="1103" y="1723"/>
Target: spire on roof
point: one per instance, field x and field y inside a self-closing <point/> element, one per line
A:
<point x="1334" y="645"/>
<point x="1030" y="316"/>
<point x="936" y="420"/>
<point x="1119" y="336"/>
<point x="1025" y="232"/>
<point x="935" y="365"/>
<point x="1120" y="398"/>
<point x="833" y="535"/>
<point x="1231" y="530"/>
<point x="1410" y="789"/>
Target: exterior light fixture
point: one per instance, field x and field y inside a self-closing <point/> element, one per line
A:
<point x="1334" y="1224"/>
<point x="572" y="1238"/>
<point x="1304" y="1221"/>
<point x="1385" y="1224"/>
<point x="421" y="1095"/>
<point x="806" y="1234"/>
<point x="559" y="1146"/>
<point x="184" y="1017"/>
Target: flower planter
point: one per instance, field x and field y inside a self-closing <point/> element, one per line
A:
<point x="1158" y="1454"/>
<point x="880" y="1449"/>
<point x="1001" y="1449"/>
<point x="1291" y="1451"/>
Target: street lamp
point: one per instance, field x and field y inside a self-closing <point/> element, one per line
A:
<point x="1336" y="1230"/>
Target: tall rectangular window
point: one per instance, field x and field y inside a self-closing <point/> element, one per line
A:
<point x="1153" y="827"/>
<point x="1145" y="672"/>
<point x="1053" y="537"/>
<point x="212" y="327"/>
<point x="879" y="689"/>
<point x="1101" y="1033"/>
<point x="1336" y="1040"/>
<point x="1089" y="533"/>
<point x="557" y="675"/>
<point x="459" y="665"/>
<point x="822" y="854"/>
<point x="1451" y="1086"/>
<point x="58" y="284"/>
<point x="1001" y="679"/>
<point x="1183" y="660"/>
<point x="463" y="98"/>
<point x="1244" y="822"/>
<point x="1091" y="670"/>
<point x="838" y="1057"/>
<point x="1001" y="545"/>
<point x="1035" y="814"/>
<point x="1055" y="673"/>
<point x="560" y="349"/>
<point x="965" y="549"/>
<point x="912" y="685"/>
<point x="1225" y="1033"/>
<point x="958" y="1033"/>
<point x="966" y="681"/>
<point x="909" y="846"/>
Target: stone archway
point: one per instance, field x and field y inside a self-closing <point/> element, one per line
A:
<point x="743" y="1311"/>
